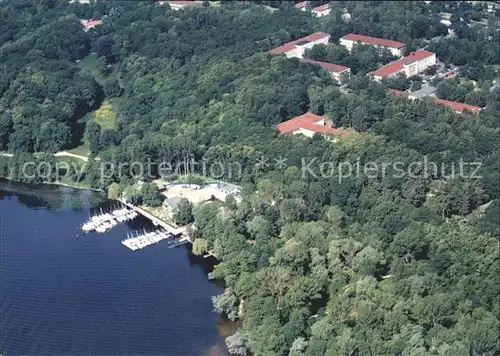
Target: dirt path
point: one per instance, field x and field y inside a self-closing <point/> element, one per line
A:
<point x="58" y="154"/>
<point x="69" y="154"/>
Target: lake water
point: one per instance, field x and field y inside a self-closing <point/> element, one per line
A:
<point x="60" y="295"/>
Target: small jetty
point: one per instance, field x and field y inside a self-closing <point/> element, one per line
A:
<point x="137" y="242"/>
<point x="104" y="221"/>
<point x="156" y="221"/>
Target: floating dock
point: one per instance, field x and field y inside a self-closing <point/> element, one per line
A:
<point x="150" y="238"/>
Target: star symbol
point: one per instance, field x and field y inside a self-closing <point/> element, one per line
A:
<point x="261" y="162"/>
<point x="280" y="162"/>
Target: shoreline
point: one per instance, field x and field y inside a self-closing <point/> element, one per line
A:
<point x="57" y="184"/>
<point x="73" y="186"/>
<point x="224" y="326"/>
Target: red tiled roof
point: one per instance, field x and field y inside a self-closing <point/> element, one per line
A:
<point x="317" y="128"/>
<point x="455" y="106"/>
<point x="373" y="40"/>
<point x="291" y="45"/>
<point x="321" y="8"/>
<point x="459" y="107"/>
<point x="388" y="69"/>
<point x="307" y="121"/>
<point x="397" y="66"/>
<point x="300" y="5"/>
<point x="298" y="122"/>
<point x="90" y="23"/>
<point x="93" y="23"/>
<point x="328" y="66"/>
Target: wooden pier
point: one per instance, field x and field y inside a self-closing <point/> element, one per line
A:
<point x="156" y="221"/>
<point x="147" y="239"/>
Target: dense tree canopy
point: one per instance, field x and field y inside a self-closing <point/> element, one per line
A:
<point x="41" y="88"/>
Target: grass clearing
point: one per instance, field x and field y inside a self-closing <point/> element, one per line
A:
<point x="105" y="116"/>
<point x="93" y="64"/>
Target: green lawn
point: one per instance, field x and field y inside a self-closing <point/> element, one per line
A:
<point x="105" y="116"/>
<point x="92" y="63"/>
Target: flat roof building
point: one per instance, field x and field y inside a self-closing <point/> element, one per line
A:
<point x="426" y="90"/>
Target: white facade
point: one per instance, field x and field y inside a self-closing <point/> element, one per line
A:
<point x="406" y="65"/>
<point x="416" y="67"/>
<point x="321" y="12"/>
<point x="176" y="6"/>
<point x="304" y="132"/>
<point x="307" y="132"/>
<point x="298" y="51"/>
<point x="338" y="75"/>
<point x="349" y="44"/>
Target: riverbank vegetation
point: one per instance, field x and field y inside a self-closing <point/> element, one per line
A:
<point x="316" y="262"/>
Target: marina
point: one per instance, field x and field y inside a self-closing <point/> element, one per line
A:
<point x="125" y="211"/>
<point x="104" y="221"/>
<point x="93" y="296"/>
<point x="138" y="242"/>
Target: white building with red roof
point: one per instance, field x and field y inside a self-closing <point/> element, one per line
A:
<point x="88" y="24"/>
<point x="297" y="48"/>
<point x="335" y="69"/>
<point x="302" y="5"/>
<point x="309" y="124"/>
<point x="321" y="10"/>
<point x="457" y="107"/>
<point x="414" y="63"/>
<point x="397" y="48"/>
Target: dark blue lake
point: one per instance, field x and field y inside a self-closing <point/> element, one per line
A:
<point x="60" y="295"/>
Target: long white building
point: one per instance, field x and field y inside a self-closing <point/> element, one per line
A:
<point x="414" y="63"/>
<point x="297" y="48"/>
<point x="396" y="48"/>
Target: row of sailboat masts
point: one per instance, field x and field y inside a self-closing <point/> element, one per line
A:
<point x="115" y="207"/>
<point x="104" y="221"/>
<point x="137" y="234"/>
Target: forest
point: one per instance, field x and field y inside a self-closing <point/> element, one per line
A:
<point x="312" y="265"/>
